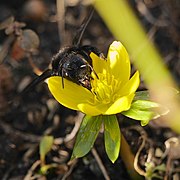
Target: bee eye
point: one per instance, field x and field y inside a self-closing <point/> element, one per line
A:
<point x="83" y="66"/>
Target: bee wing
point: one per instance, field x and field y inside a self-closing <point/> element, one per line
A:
<point x="46" y="74"/>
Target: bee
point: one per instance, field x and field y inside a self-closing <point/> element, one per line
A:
<point x="72" y="62"/>
<point x="75" y="64"/>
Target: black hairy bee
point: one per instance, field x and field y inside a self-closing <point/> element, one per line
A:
<point x="72" y="62"/>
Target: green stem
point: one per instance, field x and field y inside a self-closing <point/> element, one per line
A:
<point x="128" y="159"/>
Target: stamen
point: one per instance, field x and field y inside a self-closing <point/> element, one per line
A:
<point x="105" y="88"/>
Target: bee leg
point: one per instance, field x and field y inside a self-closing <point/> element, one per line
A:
<point x="92" y="69"/>
<point x="62" y="75"/>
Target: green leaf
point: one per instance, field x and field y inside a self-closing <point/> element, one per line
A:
<point x="143" y="115"/>
<point x="112" y="137"/>
<point x="87" y="135"/>
<point x="144" y="111"/>
<point x="144" y="104"/>
<point x="45" y="146"/>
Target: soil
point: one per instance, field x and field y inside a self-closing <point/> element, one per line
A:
<point x="35" y="113"/>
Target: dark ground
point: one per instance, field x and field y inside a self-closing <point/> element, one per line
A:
<point x="36" y="113"/>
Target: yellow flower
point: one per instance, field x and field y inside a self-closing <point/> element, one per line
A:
<point x="112" y="92"/>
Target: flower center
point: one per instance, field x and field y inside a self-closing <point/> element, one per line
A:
<point x="105" y="88"/>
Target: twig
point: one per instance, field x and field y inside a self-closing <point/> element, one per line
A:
<point x="74" y="131"/>
<point x="31" y="149"/>
<point x="5" y="47"/>
<point x="100" y="164"/>
<point x="31" y="170"/>
<point x="72" y="165"/>
<point x="10" y="130"/>
<point x="7" y="173"/>
<point x="149" y="17"/>
<point x="61" y="20"/>
<point x="143" y="135"/>
<point x="136" y="159"/>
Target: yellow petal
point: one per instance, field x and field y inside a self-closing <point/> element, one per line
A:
<point x="121" y="104"/>
<point x="119" y="61"/>
<point x="99" y="65"/>
<point x="89" y="109"/>
<point x="131" y="86"/>
<point x="71" y="95"/>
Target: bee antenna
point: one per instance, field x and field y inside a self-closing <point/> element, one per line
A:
<point x="80" y="31"/>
